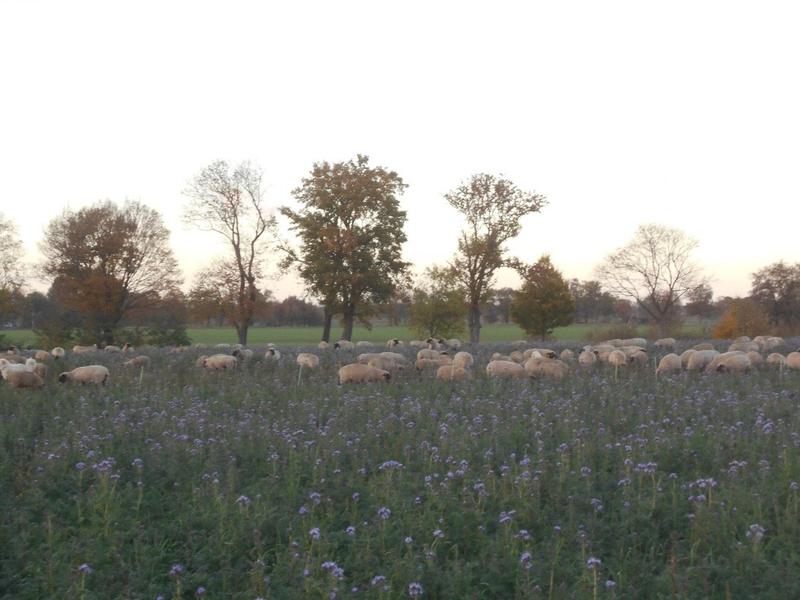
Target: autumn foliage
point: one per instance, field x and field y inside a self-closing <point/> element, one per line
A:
<point x="743" y="317"/>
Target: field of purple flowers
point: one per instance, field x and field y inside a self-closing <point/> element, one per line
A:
<point x="252" y="485"/>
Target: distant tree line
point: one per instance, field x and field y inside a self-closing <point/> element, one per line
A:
<point x="113" y="277"/>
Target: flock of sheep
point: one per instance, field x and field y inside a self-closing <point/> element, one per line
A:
<point x="445" y="358"/>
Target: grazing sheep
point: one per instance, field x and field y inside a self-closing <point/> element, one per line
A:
<point x="364" y="344"/>
<point x="435" y="343"/>
<point x="365" y="357"/>
<point x="14" y="359"/>
<point x="385" y="364"/>
<point x="517" y="356"/>
<point x="358" y="373"/>
<point x="393" y="343"/>
<point x="344" y="345"/>
<point x="617" y="358"/>
<point x="700" y="359"/>
<point x="567" y="355"/>
<point x="112" y="349"/>
<point x="463" y="360"/>
<point x="429" y="353"/>
<point x="668" y="343"/>
<point x="272" y="354"/>
<point x="242" y="354"/>
<point x="323" y="345"/>
<point x="504" y="369"/>
<point x="685" y="357"/>
<point x="742" y="339"/>
<point x="41" y="355"/>
<point x="396" y="357"/>
<point x="638" y="358"/>
<point x="793" y="360"/>
<point x="220" y="362"/>
<point x="178" y="349"/>
<point x="587" y="358"/>
<point x="308" y="360"/>
<point x="756" y="359"/>
<point x="127" y="348"/>
<point x="201" y="360"/>
<point x="7" y="366"/>
<point x="453" y="344"/>
<point x="546" y="352"/>
<point x="776" y="359"/>
<point x="703" y="346"/>
<point x="137" y="361"/>
<point x="519" y="343"/>
<point x="669" y="363"/>
<point x="550" y="368"/>
<point x="440" y="361"/>
<point x="36" y="367"/>
<point x="770" y="342"/>
<point x="96" y="374"/>
<point x="223" y="346"/>
<point x="641" y="342"/>
<point x="453" y="373"/>
<point x="417" y="344"/>
<point x="504" y="357"/>
<point x="730" y="362"/>
<point x="84" y="349"/>
<point x="23" y="379"/>
<point x="58" y="352"/>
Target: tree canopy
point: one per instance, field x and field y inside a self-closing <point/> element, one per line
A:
<point x="493" y="208"/>
<point x="438" y="308"/>
<point x="108" y="260"/>
<point x="350" y="231"/>
<point x="544" y="301"/>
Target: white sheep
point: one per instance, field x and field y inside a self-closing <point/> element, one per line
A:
<point x="669" y="363"/>
<point x="546" y="352"/>
<point x="685" y="357"/>
<point x="112" y="349"/>
<point x="41" y="355"/>
<point x="95" y="374"/>
<point x="395" y="356"/>
<point x="700" y="359"/>
<point x="344" y="345"/>
<point x="417" y="344"/>
<point x="358" y="373"/>
<point x="424" y="363"/>
<point x="272" y="354"/>
<point x="23" y="379"/>
<point x="505" y="369"/>
<point x="364" y="344"/>
<point x="36" y="367"/>
<point x="385" y="364"/>
<point x="308" y="360"/>
<point x="137" y="361"/>
<point x="453" y="344"/>
<point x="220" y="362"/>
<point x="58" y="352"/>
<point x="548" y="368"/>
<point x="323" y="345"/>
<point x="453" y="373"/>
<point x="503" y="357"/>
<point x="668" y="343"/>
<point x="744" y="347"/>
<point x="793" y="360"/>
<point x="587" y="358"/>
<point x="365" y="357"/>
<point x="223" y="346"/>
<point x="756" y="358"/>
<point x="567" y="355"/>
<point x="463" y="360"/>
<point x="429" y="353"/>
<point x="703" y="346"/>
<point x="776" y="359"/>
<point x="242" y="354"/>
<point x="84" y="349"/>
<point x="730" y="362"/>
<point x="393" y="343"/>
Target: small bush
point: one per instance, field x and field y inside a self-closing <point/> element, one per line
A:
<point x="743" y="317"/>
<point x="618" y="331"/>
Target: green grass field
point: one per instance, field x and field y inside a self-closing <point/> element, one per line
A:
<point x="311" y="335"/>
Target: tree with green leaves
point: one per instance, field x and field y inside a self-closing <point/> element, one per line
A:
<point x="776" y="289"/>
<point x="493" y="207"/>
<point x="11" y="277"/>
<point x="544" y="301"/>
<point x="231" y="204"/>
<point x="350" y="230"/>
<point x="438" y="308"/>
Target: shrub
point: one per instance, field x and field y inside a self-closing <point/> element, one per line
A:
<point x="743" y="317"/>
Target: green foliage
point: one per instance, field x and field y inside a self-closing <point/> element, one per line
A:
<point x="438" y="308"/>
<point x="544" y="302"/>
<point x="493" y="208"/>
<point x="350" y="227"/>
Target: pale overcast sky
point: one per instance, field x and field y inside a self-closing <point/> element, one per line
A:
<point x="685" y="113"/>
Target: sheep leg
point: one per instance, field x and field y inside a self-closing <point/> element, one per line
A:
<point x="141" y="375"/>
<point x="299" y="373"/>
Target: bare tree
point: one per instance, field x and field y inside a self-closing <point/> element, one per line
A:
<point x="231" y="204"/>
<point x="493" y="207"/>
<point x="10" y="256"/>
<point x="655" y="270"/>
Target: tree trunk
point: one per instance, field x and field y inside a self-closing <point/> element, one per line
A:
<point x="326" y="327"/>
<point x="241" y="332"/>
<point x="348" y="321"/>
<point x="474" y="324"/>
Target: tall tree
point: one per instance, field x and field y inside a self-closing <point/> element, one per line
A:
<point x="350" y="229"/>
<point x="108" y="260"/>
<point x="493" y="207"/>
<point x="776" y="289"/>
<point x="700" y="302"/>
<point x="544" y="301"/>
<point x="655" y="270"/>
<point x="231" y="204"/>
<point x="11" y="277"/>
<point x="438" y="308"/>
